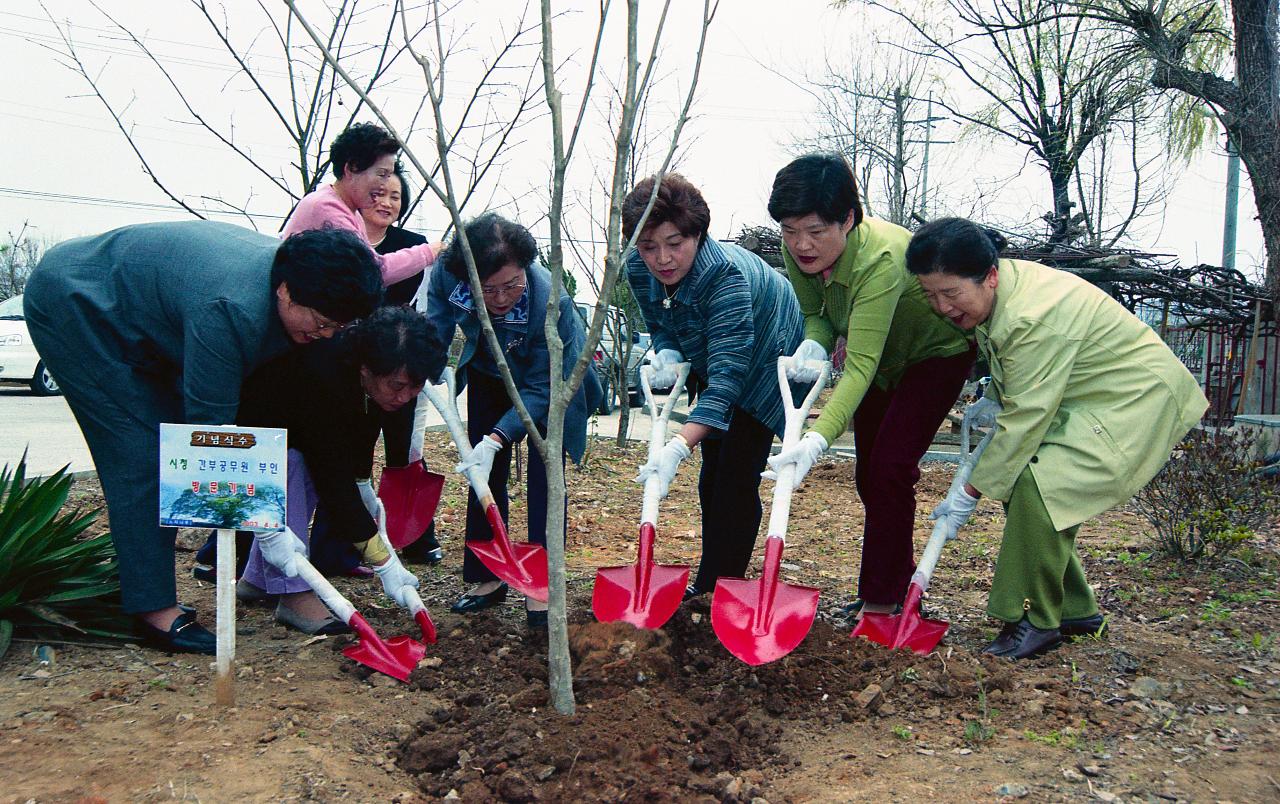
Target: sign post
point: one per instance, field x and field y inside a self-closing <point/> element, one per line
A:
<point x="229" y="478"/>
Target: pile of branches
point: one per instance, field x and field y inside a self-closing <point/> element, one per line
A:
<point x="1200" y="296"/>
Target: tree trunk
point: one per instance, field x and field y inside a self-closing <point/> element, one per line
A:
<point x="559" y="662"/>
<point x="1257" y="122"/>
<point x="1060" y="226"/>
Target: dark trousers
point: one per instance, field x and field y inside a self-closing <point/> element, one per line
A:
<point x="729" y="491"/>
<point x="892" y="430"/>
<point x="487" y="402"/>
<point x="119" y="410"/>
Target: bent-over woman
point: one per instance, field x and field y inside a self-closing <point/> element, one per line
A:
<point x="1092" y="402"/>
<point x="333" y="398"/>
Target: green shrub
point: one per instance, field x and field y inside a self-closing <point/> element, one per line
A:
<point x="1208" y="499"/>
<point x="52" y="578"/>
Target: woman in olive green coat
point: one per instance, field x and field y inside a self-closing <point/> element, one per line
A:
<point x="1091" y="403"/>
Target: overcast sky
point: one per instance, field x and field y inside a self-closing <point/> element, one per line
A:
<point x="69" y="171"/>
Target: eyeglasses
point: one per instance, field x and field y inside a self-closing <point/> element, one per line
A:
<point x="512" y="287"/>
<point x="320" y="324"/>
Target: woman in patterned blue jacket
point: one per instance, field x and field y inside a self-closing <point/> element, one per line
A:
<point x="515" y="293"/>
<point x="730" y="315"/>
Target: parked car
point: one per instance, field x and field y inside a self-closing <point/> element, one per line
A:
<point x="608" y="354"/>
<point x="18" y="359"/>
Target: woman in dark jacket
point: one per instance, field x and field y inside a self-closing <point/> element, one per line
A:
<point x="516" y="290"/>
<point x="332" y="398"/>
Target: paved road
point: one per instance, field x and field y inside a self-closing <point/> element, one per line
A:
<point x="45" y="428"/>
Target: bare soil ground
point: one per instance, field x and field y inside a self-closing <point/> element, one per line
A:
<point x="1179" y="703"/>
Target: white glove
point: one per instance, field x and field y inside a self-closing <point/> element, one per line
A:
<point x="803" y="455"/>
<point x="664" y="368"/>
<point x="955" y="509"/>
<point x="367" y="495"/>
<point x="665" y="465"/>
<point x="281" y="549"/>
<point x="807" y="350"/>
<point x="396" y="580"/>
<point x="481" y="458"/>
<point x="983" y="413"/>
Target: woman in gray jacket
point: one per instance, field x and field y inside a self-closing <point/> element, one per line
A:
<point x="161" y="322"/>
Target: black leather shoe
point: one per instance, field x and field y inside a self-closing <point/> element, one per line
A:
<point x="426" y="550"/>
<point x="1095" y="625"/>
<point x="691" y="592"/>
<point x="185" y="635"/>
<point x="1022" y="640"/>
<point x="536" y="620"/>
<point x="850" y="611"/>
<point x="472" y="603"/>
<point x="204" y="572"/>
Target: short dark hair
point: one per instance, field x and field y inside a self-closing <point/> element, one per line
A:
<point x="820" y="184"/>
<point x="954" y="246"/>
<point x="678" y="203"/>
<point x="406" y="195"/>
<point x="495" y="242"/>
<point x="331" y="271"/>
<point x="360" y="145"/>
<point x="394" y="338"/>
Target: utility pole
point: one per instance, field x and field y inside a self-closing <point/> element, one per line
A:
<point x="1233" y="202"/>
<point x="924" y="171"/>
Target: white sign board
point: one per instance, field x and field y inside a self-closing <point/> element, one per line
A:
<point x="223" y="476"/>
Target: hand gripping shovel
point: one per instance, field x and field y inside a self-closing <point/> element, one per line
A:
<point x="410" y="494"/>
<point x="523" y="566"/>
<point x="414" y="604"/>
<point x="395" y="657"/>
<point x="645" y="594"/>
<point x="908" y="629"/>
<point x="761" y="621"/>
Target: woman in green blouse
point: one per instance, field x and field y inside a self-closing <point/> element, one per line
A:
<point x="904" y="366"/>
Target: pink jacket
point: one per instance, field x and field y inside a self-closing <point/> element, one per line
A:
<point x="325" y="207"/>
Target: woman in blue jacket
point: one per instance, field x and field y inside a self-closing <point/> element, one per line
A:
<point x="516" y="288"/>
<point x="730" y="315"/>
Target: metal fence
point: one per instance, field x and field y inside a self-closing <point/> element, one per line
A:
<point x="1230" y="364"/>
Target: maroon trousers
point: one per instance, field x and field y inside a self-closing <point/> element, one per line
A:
<point x="892" y="430"/>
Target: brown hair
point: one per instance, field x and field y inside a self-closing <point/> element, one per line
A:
<point x="678" y="203"/>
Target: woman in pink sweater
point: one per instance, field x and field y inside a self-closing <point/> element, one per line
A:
<point x="363" y="159"/>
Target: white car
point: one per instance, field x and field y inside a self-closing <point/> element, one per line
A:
<point x="18" y="359"/>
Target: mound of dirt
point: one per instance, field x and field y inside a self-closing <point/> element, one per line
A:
<point x="662" y="715"/>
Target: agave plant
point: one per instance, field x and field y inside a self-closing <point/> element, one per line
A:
<point x="51" y="577"/>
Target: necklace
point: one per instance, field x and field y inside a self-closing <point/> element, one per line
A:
<point x="378" y="242"/>
<point x="667" y="293"/>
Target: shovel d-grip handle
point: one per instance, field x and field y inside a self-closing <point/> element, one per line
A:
<point x="794" y="422"/>
<point x="932" y="550"/>
<point x="448" y="408"/>
<point x="658" y="433"/>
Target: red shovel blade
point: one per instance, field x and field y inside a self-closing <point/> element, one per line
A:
<point x="761" y="621"/>
<point x="395" y="657"/>
<point x="643" y="594"/>
<point x="523" y="566"/>
<point x="428" y="627"/>
<point x="410" y="495"/>
<point x="906" y="630"/>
